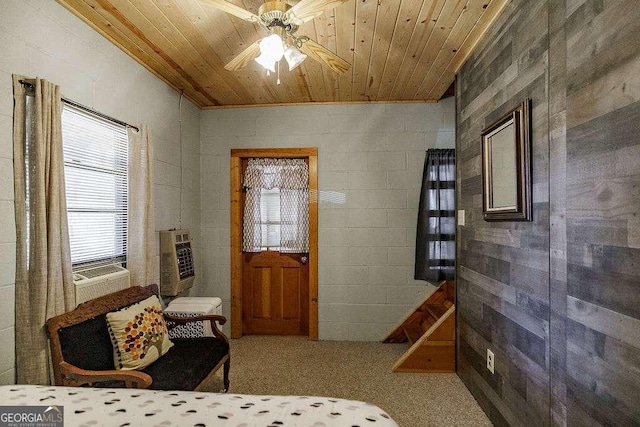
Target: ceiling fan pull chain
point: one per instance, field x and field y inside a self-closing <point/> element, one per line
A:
<point x="278" y="81"/>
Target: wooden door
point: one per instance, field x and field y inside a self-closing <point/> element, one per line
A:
<point x="275" y="289"/>
<point x="245" y="307"/>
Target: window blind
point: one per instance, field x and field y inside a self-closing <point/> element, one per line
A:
<point x="270" y="218"/>
<point x="96" y="175"/>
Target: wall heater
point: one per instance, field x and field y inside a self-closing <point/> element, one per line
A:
<point x="176" y="262"/>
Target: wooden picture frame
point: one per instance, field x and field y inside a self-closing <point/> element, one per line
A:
<point x="506" y="167"/>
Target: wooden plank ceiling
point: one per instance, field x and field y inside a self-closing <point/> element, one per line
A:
<point x="399" y="50"/>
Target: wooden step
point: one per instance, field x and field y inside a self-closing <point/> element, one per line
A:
<point x="430" y="328"/>
<point x="436" y="310"/>
<point x="437" y="298"/>
<point x="413" y="332"/>
<point x="397" y="336"/>
<point x="427" y="322"/>
<point x="436" y="356"/>
<point x="415" y="328"/>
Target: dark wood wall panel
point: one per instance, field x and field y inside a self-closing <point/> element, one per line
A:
<point x="601" y="198"/>
<point x="558" y="211"/>
<point x="503" y="268"/>
<point x="558" y="299"/>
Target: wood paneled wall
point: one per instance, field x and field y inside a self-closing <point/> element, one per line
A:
<point x="556" y="299"/>
<point x="503" y="267"/>
<point x="595" y="227"/>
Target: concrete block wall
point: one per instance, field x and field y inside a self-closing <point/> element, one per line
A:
<point x="370" y="165"/>
<point x="40" y="38"/>
<point x="371" y="159"/>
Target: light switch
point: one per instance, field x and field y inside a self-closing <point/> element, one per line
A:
<point x="461" y="217"/>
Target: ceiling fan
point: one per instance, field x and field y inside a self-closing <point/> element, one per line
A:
<point x="282" y="20"/>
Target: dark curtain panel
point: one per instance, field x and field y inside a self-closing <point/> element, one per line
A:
<point x="435" y="238"/>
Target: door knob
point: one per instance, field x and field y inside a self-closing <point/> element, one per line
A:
<point x="304" y="259"/>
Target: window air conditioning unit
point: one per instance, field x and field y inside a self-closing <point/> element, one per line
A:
<point x="176" y="262"/>
<point x="94" y="282"/>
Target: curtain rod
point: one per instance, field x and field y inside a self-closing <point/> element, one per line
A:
<point x="85" y="108"/>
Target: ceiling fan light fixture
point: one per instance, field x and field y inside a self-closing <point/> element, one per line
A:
<point x="294" y="57"/>
<point x="272" y="47"/>
<point x="267" y="62"/>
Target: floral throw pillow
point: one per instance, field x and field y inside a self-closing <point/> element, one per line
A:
<point x="138" y="334"/>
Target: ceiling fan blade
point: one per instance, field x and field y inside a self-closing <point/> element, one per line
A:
<point x="246" y="56"/>
<point x="233" y="10"/>
<point x="306" y="10"/>
<point x="322" y="54"/>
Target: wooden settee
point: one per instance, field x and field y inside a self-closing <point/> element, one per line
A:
<point x="82" y="352"/>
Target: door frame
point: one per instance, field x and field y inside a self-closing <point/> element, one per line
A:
<point x="237" y="155"/>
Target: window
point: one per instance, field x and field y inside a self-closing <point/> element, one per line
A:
<point x="96" y="175"/>
<point x="278" y="227"/>
<point x="436" y="231"/>
<point x="270" y="218"/>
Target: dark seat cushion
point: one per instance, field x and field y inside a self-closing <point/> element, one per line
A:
<point x="94" y="354"/>
<point x="187" y="363"/>
<point x="87" y="345"/>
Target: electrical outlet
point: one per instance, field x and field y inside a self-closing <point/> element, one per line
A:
<point x="490" y="361"/>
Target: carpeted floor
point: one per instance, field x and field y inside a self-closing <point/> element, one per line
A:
<point x="351" y="370"/>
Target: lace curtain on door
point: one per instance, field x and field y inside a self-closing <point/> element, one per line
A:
<point x="291" y="177"/>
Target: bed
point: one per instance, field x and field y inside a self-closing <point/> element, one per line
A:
<point x="135" y="407"/>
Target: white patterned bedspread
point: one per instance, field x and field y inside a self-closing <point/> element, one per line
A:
<point x="92" y="407"/>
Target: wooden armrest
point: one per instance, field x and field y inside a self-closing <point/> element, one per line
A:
<point x="211" y="318"/>
<point x="74" y="376"/>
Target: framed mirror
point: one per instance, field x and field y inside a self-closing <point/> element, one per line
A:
<point x="506" y="167"/>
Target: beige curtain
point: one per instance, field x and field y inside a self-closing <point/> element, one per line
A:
<point x="140" y="248"/>
<point x="44" y="280"/>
